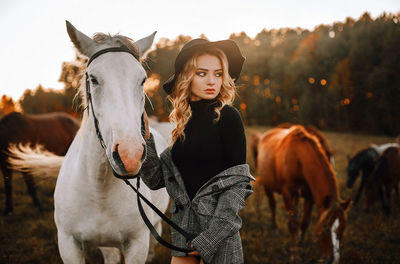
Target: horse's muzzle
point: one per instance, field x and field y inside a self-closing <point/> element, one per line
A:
<point x="129" y="163"/>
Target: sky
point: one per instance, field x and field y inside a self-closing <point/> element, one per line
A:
<point x="34" y="41"/>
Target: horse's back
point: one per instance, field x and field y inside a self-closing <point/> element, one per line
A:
<point x="13" y="127"/>
<point x="53" y="130"/>
<point x="280" y="152"/>
<point x="381" y="148"/>
<point x="62" y="127"/>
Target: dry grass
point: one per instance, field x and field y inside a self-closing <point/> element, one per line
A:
<point x="28" y="236"/>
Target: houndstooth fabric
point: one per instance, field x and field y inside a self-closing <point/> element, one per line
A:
<point x="212" y="216"/>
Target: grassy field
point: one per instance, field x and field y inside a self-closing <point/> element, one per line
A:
<point x="28" y="236"/>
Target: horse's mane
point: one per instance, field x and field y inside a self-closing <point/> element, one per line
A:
<point x="315" y="132"/>
<point x="301" y="134"/>
<point x="322" y="140"/>
<point x="101" y="38"/>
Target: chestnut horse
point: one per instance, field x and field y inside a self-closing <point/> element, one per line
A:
<point x="322" y="140"/>
<point x="55" y="131"/>
<point x="384" y="178"/>
<point x="292" y="162"/>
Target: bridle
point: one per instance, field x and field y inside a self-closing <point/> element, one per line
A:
<point x="90" y="102"/>
<point x="188" y="236"/>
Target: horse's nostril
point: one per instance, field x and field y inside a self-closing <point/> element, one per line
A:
<point x="117" y="157"/>
<point x="115" y="149"/>
<point x="144" y="153"/>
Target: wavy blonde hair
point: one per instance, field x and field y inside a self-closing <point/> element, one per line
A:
<point x="181" y="112"/>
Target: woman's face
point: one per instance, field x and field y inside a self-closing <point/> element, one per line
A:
<point x="207" y="81"/>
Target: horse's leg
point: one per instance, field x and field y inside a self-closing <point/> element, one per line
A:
<point x="71" y="251"/>
<point x="135" y="252"/>
<point x="7" y="174"/>
<point x="307" y="209"/>
<point x="30" y="184"/>
<point x="272" y="206"/>
<point x="396" y="189"/>
<point x="291" y="202"/>
<point x="381" y="196"/>
<point x="360" y="188"/>
<point x="110" y="255"/>
<point x="388" y="191"/>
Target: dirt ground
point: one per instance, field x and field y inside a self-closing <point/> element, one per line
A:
<point x="28" y="236"/>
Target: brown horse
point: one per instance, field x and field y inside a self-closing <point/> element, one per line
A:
<point x="322" y="140"/>
<point x="292" y="162"/>
<point x="55" y="131"/>
<point x="384" y="178"/>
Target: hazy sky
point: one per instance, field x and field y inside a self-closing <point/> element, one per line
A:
<point x="34" y="41"/>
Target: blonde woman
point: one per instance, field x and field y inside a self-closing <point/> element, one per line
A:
<point x="204" y="170"/>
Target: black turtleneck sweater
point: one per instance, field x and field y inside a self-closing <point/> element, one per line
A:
<point x="209" y="147"/>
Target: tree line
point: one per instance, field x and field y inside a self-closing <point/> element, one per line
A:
<point x="344" y="76"/>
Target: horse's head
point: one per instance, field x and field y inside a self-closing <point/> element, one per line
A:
<point x="352" y="172"/>
<point x="115" y="80"/>
<point x="330" y="226"/>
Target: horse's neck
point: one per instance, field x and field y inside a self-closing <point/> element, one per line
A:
<point x="320" y="177"/>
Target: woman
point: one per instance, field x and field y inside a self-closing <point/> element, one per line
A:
<point x="204" y="169"/>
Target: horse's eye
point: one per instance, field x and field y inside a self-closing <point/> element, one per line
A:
<point x="94" y="80"/>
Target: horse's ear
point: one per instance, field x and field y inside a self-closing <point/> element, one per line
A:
<point x="82" y="43"/>
<point x="345" y="204"/>
<point x="348" y="157"/>
<point x="144" y="44"/>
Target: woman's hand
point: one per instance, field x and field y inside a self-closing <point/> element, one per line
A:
<point x="146" y="126"/>
<point x="194" y="253"/>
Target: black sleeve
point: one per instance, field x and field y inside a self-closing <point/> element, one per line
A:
<point x="233" y="136"/>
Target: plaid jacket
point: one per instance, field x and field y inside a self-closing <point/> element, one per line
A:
<point x="212" y="216"/>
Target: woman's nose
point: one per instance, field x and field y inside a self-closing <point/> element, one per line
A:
<point x="211" y="79"/>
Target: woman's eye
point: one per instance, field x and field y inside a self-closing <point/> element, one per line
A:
<point x="94" y="80"/>
<point x="218" y="74"/>
<point x="202" y="74"/>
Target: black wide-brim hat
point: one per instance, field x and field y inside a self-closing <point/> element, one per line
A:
<point x="229" y="47"/>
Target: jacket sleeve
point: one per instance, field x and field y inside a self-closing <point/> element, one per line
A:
<point x="226" y="221"/>
<point x="151" y="171"/>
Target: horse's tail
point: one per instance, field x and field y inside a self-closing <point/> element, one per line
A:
<point x="35" y="160"/>
<point x="255" y="139"/>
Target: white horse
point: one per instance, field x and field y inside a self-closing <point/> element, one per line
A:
<point x="91" y="205"/>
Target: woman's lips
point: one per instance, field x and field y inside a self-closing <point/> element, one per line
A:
<point x="209" y="91"/>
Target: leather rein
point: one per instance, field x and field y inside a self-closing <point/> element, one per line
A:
<point x="140" y="197"/>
